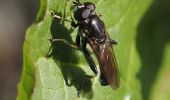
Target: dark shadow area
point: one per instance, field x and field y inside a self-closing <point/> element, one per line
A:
<point x="66" y="58"/>
<point x="153" y="34"/>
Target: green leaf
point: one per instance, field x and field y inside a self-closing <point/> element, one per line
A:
<point x="142" y="53"/>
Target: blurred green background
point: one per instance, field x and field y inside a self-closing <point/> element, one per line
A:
<point x="15" y="17"/>
<point x="152" y="43"/>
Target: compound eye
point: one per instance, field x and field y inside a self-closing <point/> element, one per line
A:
<point x="86" y="13"/>
<point x="89" y="5"/>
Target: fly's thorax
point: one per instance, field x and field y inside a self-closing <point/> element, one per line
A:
<point x="94" y="29"/>
<point x="97" y="26"/>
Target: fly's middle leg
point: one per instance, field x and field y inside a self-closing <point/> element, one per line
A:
<point x="91" y="64"/>
<point x="64" y="41"/>
<point x="88" y="57"/>
<point x="60" y="40"/>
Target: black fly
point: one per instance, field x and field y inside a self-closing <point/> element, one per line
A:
<point x="91" y="30"/>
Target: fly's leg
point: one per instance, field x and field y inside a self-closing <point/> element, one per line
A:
<point x="73" y="24"/>
<point x="49" y="53"/>
<point x="60" y="40"/>
<point x="76" y="46"/>
<point x="88" y="57"/>
<point x="78" y="41"/>
<point x="77" y="2"/>
<point x="59" y="17"/>
<point x="65" y="41"/>
<point x="113" y="42"/>
<point x="103" y="80"/>
<point x="90" y="62"/>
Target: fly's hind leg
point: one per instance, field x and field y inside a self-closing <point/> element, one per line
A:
<point x="91" y="64"/>
<point x="103" y="80"/>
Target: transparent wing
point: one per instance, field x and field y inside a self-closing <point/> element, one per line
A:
<point x="107" y="63"/>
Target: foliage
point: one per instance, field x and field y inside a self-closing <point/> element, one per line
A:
<point x="139" y="26"/>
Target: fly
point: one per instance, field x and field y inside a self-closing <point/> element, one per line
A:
<point x="91" y="30"/>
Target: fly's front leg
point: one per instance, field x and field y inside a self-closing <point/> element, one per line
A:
<point x="90" y="62"/>
<point x="113" y="42"/>
<point x="59" y="17"/>
<point x="73" y="24"/>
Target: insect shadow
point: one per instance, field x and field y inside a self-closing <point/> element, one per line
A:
<point x="65" y="56"/>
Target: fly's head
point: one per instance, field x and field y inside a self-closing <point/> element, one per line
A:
<point x="83" y="10"/>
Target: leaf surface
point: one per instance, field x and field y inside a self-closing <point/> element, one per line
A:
<point x="57" y="77"/>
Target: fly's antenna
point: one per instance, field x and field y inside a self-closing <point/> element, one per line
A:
<point x="77" y="3"/>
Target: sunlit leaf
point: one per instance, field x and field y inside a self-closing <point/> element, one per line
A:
<point x="142" y="53"/>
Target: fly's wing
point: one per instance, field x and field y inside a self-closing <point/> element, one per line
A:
<point x="108" y="64"/>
